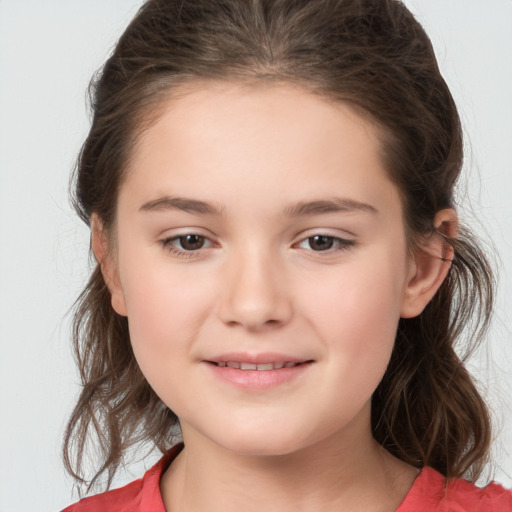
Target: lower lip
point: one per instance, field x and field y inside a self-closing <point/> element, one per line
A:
<point x="258" y="380"/>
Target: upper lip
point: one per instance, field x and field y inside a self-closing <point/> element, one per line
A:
<point x="256" y="358"/>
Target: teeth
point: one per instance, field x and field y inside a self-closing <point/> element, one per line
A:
<point x="258" y="367"/>
<point x="248" y="366"/>
<point x="265" y="366"/>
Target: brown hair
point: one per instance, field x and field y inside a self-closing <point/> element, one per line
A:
<point x="371" y="53"/>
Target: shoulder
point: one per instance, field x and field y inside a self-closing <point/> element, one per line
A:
<point x="138" y="496"/>
<point x="469" y="497"/>
<point x="125" y="499"/>
<point x="432" y="492"/>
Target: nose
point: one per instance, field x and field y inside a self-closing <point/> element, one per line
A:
<point x="255" y="294"/>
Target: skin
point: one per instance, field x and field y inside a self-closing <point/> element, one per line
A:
<point x="256" y="282"/>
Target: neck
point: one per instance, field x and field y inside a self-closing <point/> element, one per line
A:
<point x="349" y="474"/>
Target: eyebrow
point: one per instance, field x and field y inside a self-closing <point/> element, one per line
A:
<point x="302" y="208"/>
<point x="182" y="203"/>
<point x="333" y="205"/>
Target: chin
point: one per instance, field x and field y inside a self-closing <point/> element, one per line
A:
<point x="269" y="442"/>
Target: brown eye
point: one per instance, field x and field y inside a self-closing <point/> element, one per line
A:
<point x="325" y="243"/>
<point x="188" y="245"/>
<point x="191" y="242"/>
<point x="321" y="242"/>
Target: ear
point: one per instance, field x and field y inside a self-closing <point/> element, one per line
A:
<point x="430" y="265"/>
<point x="105" y="256"/>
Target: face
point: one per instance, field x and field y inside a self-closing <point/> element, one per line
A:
<point x="261" y="260"/>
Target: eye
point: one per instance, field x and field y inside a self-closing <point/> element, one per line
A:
<point x="190" y="242"/>
<point x="187" y="244"/>
<point x="321" y="242"/>
<point x="324" y="243"/>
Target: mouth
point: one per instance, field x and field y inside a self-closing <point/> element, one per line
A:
<point x="258" y="372"/>
<point x="239" y="365"/>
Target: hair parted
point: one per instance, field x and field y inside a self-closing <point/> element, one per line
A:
<point x="372" y="54"/>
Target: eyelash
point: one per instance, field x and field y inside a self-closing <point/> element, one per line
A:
<point x="168" y="244"/>
<point x="340" y="244"/>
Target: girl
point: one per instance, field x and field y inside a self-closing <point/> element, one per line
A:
<point x="281" y="274"/>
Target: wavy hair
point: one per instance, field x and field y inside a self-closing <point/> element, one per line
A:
<point x="372" y="54"/>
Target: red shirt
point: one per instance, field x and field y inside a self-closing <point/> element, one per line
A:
<point x="429" y="493"/>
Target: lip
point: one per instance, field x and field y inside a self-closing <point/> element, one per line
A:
<point x="256" y="358"/>
<point x="257" y="372"/>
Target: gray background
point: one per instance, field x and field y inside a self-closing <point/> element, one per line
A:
<point x="48" y="51"/>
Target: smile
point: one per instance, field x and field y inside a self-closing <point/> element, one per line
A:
<point x="258" y="373"/>
<point x="256" y="366"/>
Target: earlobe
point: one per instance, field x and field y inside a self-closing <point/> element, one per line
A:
<point x="101" y="248"/>
<point x="431" y="264"/>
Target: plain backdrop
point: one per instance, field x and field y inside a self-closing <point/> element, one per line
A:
<point x="49" y="49"/>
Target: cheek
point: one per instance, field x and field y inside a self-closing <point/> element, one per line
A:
<point x="165" y="307"/>
<point x="356" y="312"/>
<point x="164" y="316"/>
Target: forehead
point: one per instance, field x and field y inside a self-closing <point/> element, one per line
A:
<point x="230" y="138"/>
<point x="198" y="104"/>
